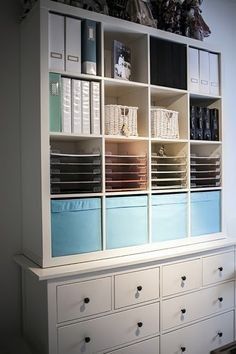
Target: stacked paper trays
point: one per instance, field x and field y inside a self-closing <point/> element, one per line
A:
<point x="169" y="172"/>
<point x="75" y="173"/>
<point x="121" y="120"/>
<point x="126" y="172"/>
<point x="205" y="171"/>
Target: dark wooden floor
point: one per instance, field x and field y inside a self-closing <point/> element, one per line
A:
<point x="15" y="346"/>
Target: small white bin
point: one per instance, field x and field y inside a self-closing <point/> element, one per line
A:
<point x="164" y="123"/>
<point x="121" y="120"/>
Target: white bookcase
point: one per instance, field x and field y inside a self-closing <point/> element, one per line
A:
<point x="141" y="92"/>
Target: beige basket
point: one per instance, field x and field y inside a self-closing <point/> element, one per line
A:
<point x="121" y="120"/>
<point x="164" y="123"/>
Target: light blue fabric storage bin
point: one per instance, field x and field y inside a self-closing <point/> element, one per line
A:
<point x="126" y="221"/>
<point x="169" y="217"/>
<point x="76" y="226"/>
<point x="205" y="213"/>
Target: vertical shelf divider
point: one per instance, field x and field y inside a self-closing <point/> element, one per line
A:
<point x="45" y="137"/>
<point x="149" y="160"/>
<point x="188" y="165"/>
<point x="103" y="216"/>
<point x="104" y="222"/>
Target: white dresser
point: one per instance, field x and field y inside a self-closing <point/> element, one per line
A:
<point x="159" y="304"/>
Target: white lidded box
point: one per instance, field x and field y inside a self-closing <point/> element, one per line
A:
<point x="164" y="123"/>
<point x="121" y="120"/>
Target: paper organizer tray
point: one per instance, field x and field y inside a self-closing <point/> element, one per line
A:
<point x="205" y="171"/>
<point x="75" y="173"/>
<point x="126" y="172"/>
<point x="169" y="172"/>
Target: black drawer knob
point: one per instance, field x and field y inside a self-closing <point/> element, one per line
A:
<point x="220" y="299"/>
<point x="183" y="311"/>
<point x="220" y="269"/>
<point x="140" y="324"/>
<point x="87" y="339"/>
<point x="183" y="278"/>
<point x="139" y="288"/>
<point x="220" y="334"/>
<point x="86" y="300"/>
<point x="183" y="349"/>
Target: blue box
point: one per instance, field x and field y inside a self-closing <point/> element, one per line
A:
<point x="205" y="213"/>
<point x="169" y="217"/>
<point x="75" y="226"/>
<point x="126" y="221"/>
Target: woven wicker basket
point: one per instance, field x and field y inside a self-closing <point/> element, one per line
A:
<point x="164" y="123"/>
<point x="121" y="120"/>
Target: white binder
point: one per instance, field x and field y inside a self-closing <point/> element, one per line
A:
<point x="73" y="45"/>
<point x="66" y="105"/>
<point x="56" y="42"/>
<point x="76" y="107"/>
<point x="85" y="90"/>
<point x="214" y="74"/>
<point x="204" y="71"/>
<point x="193" y="70"/>
<point x="95" y="108"/>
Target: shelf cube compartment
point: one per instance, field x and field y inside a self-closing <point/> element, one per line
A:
<point x="205" y="165"/>
<point x="169" y="217"/>
<point x="170" y="103"/>
<point x="126" y="166"/>
<point x="125" y="54"/>
<point x="75" y="226"/>
<point x="205" y="118"/>
<point x="205" y="213"/>
<point x="75" y="166"/>
<point x="204" y="73"/>
<point x="126" y="221"/>
<point x="132" y="103"/>
<point x="169" y="166"/>
<point x="168" y="63"/>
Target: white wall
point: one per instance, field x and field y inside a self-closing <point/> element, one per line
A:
<point x="219" y="15"/>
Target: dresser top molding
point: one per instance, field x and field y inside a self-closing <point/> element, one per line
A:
<point x="110" y="264"/>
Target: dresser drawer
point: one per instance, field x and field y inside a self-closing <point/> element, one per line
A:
<point x="82" y="299"/>
<point x="218" y="298"/>
<point x="218" y="268"/>
<point x="102" y="333"/>
<point x="201" y="337"/>
<point x="220" y="331"/>
<point x="190" y="307"/>
<point x="136" y="287"/>
<point x="180" y="277"/>
<point x="150" y="346"/>
<point x="181" y="310"/>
